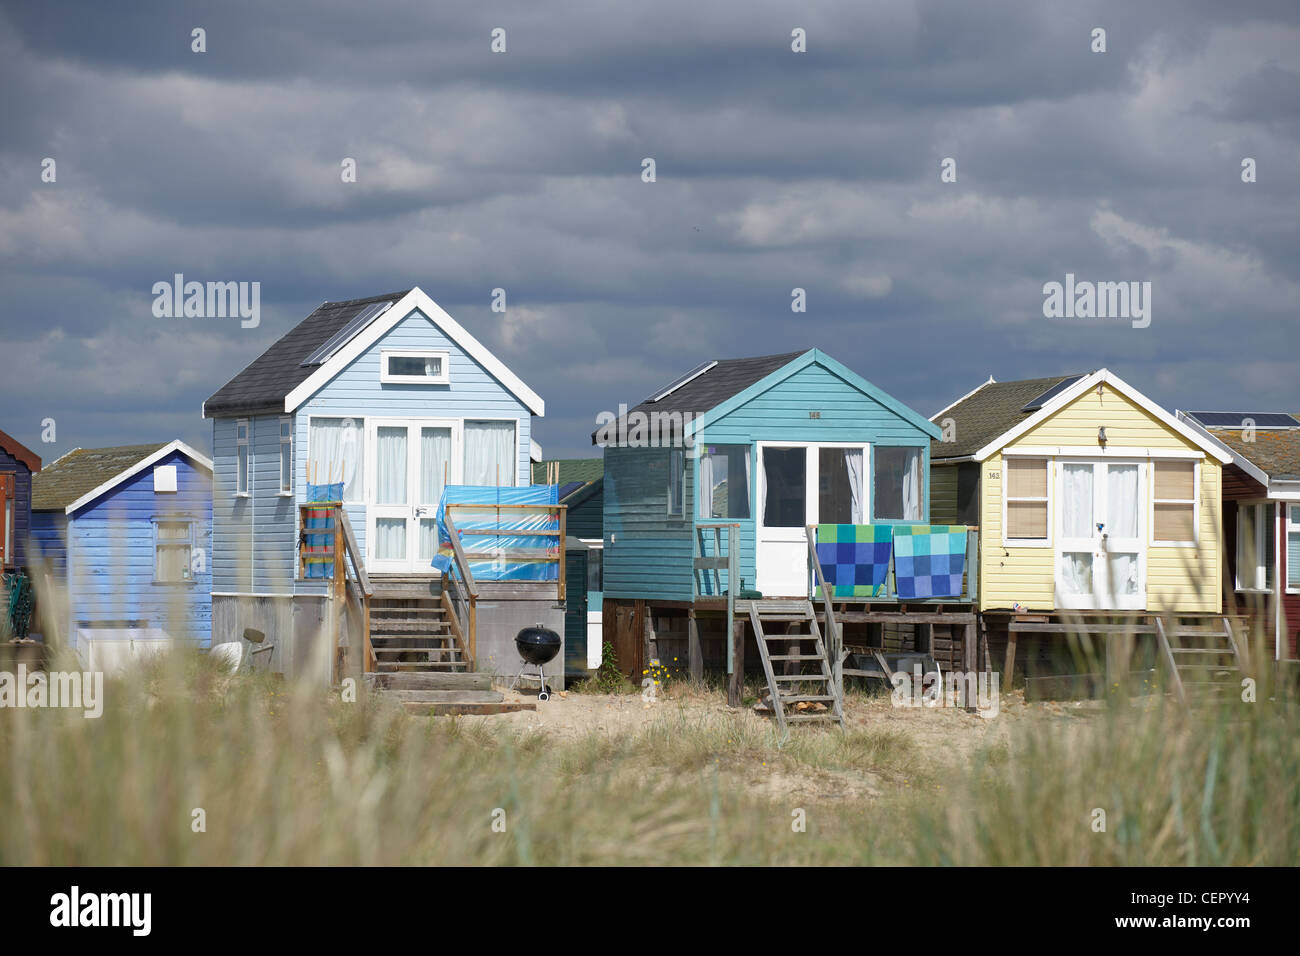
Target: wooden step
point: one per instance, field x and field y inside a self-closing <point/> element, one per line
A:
<point x="810" y="698"/>
<point x="416" y="650"/>
<point x="390" y="666"/>
<point x="467" y="710"/>
<point x="794" y="657"/>
<point x="448" y="696"/>
<point x="788" y="637"/>
<point x="464" y="680"/>
<point x="1202" y="650"/>
<point x="798" y="677"/>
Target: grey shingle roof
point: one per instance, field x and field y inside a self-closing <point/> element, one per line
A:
<point x="1274" y="451"/>
<point x="993" y="409"/>
<point x="81" y="470"/>
<point x="263" y="385"/>
<point x="709" y="390"/>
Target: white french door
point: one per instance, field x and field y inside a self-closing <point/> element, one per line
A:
<point x="1100" y="538"/>
<point x="411" y="461"/>
<point x="801" y="484"/>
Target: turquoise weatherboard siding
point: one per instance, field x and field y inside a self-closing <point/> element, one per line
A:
<point x="256" y="537"/>
<point x="647" y="553"/>
<point x="111" y="555"/>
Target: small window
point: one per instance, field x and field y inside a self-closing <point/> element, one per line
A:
<point x="897" y="487"/>
<point x="418" y="368"/>
<point x="723" y="482"/>
<point x="676" y="482"/>
<point x="164" y="479"/>
<point x="173" y="549"/>
<point x="241" y="441"/>
<point x="1293" y="548"/>
<point x="1026" y="495"/>
<point x="1174" y="503"/>
<point x="286" y="456"/>
<point x="595" y="570"/>
<point x="1254" y="547"/>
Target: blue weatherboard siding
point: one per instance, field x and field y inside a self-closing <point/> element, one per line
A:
<point x="111" y="555"/>
<point x="647" y="553"/>
<point x="49" y="540"/>
<point x="777" y="408"/>
<point x="256" y="538"/>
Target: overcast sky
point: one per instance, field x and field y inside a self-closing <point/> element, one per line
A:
<point x="522" y="170"/>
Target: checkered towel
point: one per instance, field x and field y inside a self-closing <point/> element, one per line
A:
<point x="929" y="560"/>
<point x="854" y="557"/>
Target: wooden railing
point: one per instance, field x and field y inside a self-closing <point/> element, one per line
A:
<point x="889" y="590"/>
<point x="349" y="592"/>
<point x="460" y="596"/>
<point x="514" y="552"/>
<point x="834" y="637"/>
<point x="717" y="563"/>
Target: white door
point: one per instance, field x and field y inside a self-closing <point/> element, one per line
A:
<point x="801" y="485"/>
<point x="1100" y="554"/>
<point x="413" y="461"/>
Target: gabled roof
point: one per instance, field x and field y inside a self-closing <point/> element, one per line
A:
<point x="985" y="413"/>
<point x="571" y="469"/>
<point x="278" y="381"/>
<point x="726" y="384"/>
<point x="1272" y="455"/>
<point x="84" y="474"/>
<point x="20" y="452"/>
<point x="1024" y="421"/>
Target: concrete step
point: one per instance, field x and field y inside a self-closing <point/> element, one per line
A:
<point x="467" y="710"/>
<point x="448" y="696"/>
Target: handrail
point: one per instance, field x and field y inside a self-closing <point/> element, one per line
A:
<point x="467" y="626"/>
<point x="732" y="564"/>
<point x="836" y="640"/>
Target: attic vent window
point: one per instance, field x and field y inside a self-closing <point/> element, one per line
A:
<point x="164" y="479"/>
<point x="413" y="368"/>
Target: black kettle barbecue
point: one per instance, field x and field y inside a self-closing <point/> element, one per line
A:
<point x="537" y="646"/>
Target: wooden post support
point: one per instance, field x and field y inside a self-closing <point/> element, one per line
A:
<point x="970" y="650"/>
<point x="1009" y="668"/>
<point x="736" y="682"/>
<point x="985" y="656"/>
<point x="694" y="653"/>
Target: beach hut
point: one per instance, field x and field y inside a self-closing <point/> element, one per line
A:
<point x="1099" y="511"/>
<point x="374" y="406"/>
<point x="711" y="487"/>
<point x="1261" y="520"/>
<point x="127" y="530"/>
<point x="17" y="465"/>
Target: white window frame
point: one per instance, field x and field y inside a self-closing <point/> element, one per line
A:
<point x="1195" y="503"/>
<point x="1290" y="526"/>
<point x="243" y="458"/>
<point x="1048" y="462"/>
<point x="702" y="449"/>
<point x="442" y="355"/>
<point x="923" y="481"/>
<point x="1260" y="538"/>
<point x="191" y="543"/>
<point x="286" y="439"/>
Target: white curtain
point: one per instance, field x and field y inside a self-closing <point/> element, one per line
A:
<point x="336" y="448"/>
<point x="853" y="465"/>
<point x="390" y="539"/>
<point x="489" y="453"/>
<point x="1122" y="501"/>
<point x="1076" y="572"/>
<point x="435" y="463"/>
<point x="1076" y="501"/>
<point x="704" y="486"/>
<point x="1123" y="574"/>
<point x="390" y="465"/>
<point x="912" y="487"/>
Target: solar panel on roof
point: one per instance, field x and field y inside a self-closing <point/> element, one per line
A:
<point x="1051" y="393"/>
<point x="679" y="382"/>
<point x="350" y="328"/>
<point x="1238" y="419"/>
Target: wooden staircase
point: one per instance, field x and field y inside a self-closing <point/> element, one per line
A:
<point x="409" y="627"/>
<point x="806" y="676"/>
<point x="1203" y="657"/>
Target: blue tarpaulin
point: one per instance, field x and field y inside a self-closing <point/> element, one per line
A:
<point x="494" y="554"/>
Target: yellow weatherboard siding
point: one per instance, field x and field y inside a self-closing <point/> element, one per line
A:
<point x="1184" y="579"/>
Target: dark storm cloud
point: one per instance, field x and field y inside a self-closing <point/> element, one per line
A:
<point x="775" y="171"/>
